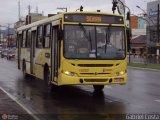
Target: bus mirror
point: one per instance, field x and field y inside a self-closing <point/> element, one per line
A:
<point x="128" y="16"/>
<point x="60" y="34"/>
<point x="129" y="35"/>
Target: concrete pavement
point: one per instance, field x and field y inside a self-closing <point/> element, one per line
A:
<point x="11" y="110"/>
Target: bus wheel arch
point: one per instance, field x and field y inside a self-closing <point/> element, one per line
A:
<point x="46" y="74"/>
<point x="24" y="68"/>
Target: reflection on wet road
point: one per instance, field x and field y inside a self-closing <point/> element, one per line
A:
<point x="140" y="95"/>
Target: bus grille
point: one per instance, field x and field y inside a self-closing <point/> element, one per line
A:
<point x="94" y="73"/>
<point x="95" y="65"/>
<point x="95" y="80"/>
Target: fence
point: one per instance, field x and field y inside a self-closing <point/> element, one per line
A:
<point x="142" y="58"/>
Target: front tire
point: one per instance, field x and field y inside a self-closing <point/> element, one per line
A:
<point x="47" y="80"/>
<point x="98" y="87"/>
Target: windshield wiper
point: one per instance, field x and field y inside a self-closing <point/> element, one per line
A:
<point x="90" y="39"/>
<point x="85" y="34"/>
<point x="106" y="42"/>
<point x="108" y="35"/>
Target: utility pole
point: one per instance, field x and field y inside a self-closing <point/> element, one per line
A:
<point x="28" y="21"/>
<point x="0" y="34"/>
<point x="19" y="10"/>
<point x="158" y="24"/>
<point x="42" y="13"/>
<point x="29" y="9"/>
<point x="8" y="34"/>
<point x="37" y="9"/>
<point x="157" y="31"/>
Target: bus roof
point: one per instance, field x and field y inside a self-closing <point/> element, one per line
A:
<point x="46" y="20"/>
<point x="59" y="16"/>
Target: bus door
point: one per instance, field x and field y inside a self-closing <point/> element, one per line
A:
<point x="32" y="53"/>
<point x="55" y="53"/>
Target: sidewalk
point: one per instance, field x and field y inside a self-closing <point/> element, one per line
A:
<point x="10" y="110"/>
<point x="139" y="68"/>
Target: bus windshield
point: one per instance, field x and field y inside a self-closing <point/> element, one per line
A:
<point x="94" y="42"/>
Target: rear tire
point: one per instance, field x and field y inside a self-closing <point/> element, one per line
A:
<point x="47" y="76"/>
<point x="98" y="87"/>
<point x="24" y="69"/>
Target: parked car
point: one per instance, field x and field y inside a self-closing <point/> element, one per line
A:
<point x="4" y="53"/>
<point x="11" y="54"/>
<point x="1" y="49"/>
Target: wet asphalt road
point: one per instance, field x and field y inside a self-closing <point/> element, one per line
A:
<point x="140" y="95"/>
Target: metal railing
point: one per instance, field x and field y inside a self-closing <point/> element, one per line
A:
<point x="145" y="58"/>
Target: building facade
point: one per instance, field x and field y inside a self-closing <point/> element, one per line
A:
<point x="137" y="22"/>
<point x="141" y="23"/>
<point x="33" y="17"/>
<point x="138" y="42"/>
<point x="153" y="37"/>
<point x="134" y="22"/>
<point x="138" y="45"/>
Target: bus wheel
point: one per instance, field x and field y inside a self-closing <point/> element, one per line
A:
<point x="98" y="87"/>
<point x="24" y="69"/>
<point x="47" y="76"/>
<point x="47" y="80"/>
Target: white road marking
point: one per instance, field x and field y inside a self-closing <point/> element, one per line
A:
<point x="158" y="100"/>
<point x="14" y="99"/>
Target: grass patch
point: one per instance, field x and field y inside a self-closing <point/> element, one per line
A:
<point x="141" y="65"/>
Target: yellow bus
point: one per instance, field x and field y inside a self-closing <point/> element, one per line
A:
<point x="75" y="48"/>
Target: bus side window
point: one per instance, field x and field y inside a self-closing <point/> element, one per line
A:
<point x="39" y="42"/>
<point x="47" y="36"/>
<point x="23" y="43"/>
<point x="28" y="34"/>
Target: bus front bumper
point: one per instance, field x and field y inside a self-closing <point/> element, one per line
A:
<point x="73" y="80"/>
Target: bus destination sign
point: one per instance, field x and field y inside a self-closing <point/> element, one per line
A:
<point x="93" y="18"/>
<point x="96" y="19"/>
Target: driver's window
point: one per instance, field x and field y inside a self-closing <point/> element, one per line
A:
<point x="116" y="39"/>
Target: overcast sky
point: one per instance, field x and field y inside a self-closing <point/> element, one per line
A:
<point x="9" y="8"/>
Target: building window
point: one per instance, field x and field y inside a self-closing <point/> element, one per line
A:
<point x="39" y="43"/>
<point x="47" y="35"/>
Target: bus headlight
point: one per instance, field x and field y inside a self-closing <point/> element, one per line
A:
<point x="120" y="73"/>
<point x="66" y="72"/>
<point x="69" y="73"/>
